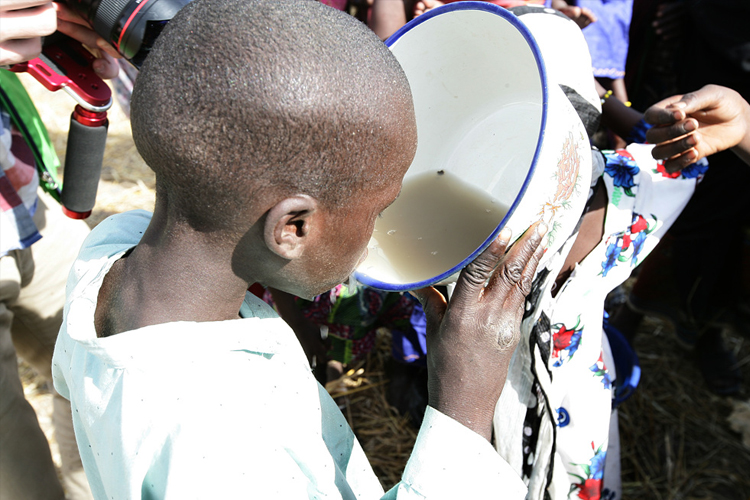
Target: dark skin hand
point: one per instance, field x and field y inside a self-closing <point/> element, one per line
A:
<point x="699" y="124"/>
<point x="470" y="341"/>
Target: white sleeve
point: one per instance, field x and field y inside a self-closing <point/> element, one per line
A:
<point x="451" y="461"/>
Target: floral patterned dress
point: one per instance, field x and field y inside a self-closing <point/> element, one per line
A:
<point x="560" y="386"/>
<point x="354" y="316"/>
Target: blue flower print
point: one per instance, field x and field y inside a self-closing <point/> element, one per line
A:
<point x="622" y="168"/>
<point x="612" y="252"/>
<point x="601" y="371"/>
<point x="563" y="417"/>
<point x="695" y="170"/>
<point x="638" y="242"/>
<point x="565" y="341"/>
<point x="596" y="464"/>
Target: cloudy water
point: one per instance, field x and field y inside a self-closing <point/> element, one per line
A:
<point x="436" y="222"/>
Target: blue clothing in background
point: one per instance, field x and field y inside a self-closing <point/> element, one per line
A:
<point x="607" y="38"/>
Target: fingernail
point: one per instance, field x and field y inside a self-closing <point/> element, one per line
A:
<point x="689" y="126"/>
<point x="691" y="140"/>
<point x="98" y="67"/>
<point x="505" y="234"/>
<point x="541" y="229"/>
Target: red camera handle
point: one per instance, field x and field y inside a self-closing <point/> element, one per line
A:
<point x="66" y="65"/>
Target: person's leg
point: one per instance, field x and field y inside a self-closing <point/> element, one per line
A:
<point x="619" y="90"/>
<point x="26" y="467"/>
<point x="37" y="319"/>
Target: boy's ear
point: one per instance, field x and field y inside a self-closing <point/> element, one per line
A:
<point x="288" y="225"/>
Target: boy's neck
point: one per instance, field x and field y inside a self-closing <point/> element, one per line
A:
<point x="172" y="275"/>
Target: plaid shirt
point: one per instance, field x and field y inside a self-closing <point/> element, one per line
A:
<point x="18" y="195"/>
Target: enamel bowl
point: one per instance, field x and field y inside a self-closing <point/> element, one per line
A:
<point x="499" y="146"/>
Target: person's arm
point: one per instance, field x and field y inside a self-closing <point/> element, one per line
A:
<point x="579" y="15"/>
<point x="386" y="16"/>
<point x="699" y="124"/>
<point x="470" y="344"/>
<point x="616" y="115"/>
<point x="472" y="339"/>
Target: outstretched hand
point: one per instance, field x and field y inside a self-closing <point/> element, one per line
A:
<point x="471" y="340"/>
<point x="699" y="124"/>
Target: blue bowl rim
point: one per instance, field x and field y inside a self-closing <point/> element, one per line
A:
<point x="514" y="21"/>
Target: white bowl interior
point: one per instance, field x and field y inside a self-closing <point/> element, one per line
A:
<point x="478" y="94"/>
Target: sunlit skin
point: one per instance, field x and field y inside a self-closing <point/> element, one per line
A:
<point x="698" y="124"/>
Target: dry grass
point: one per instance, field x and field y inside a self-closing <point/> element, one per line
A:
<point x="676" y="441"/>
<point x="386" y="436"/>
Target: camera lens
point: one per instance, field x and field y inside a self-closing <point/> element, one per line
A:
<point x="131" y="26"/>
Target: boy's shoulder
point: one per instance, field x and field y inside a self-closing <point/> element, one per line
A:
<point x="117" y="231"/>
<point x="106" y="242"/>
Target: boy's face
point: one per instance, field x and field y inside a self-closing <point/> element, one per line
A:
<point x="336" y="239"/>
<point x="338" y="243"/>
<point x="348" y="231"/>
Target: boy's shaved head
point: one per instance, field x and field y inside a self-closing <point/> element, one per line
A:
<point x="260" y="99"/>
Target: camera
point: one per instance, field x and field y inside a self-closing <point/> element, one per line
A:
<point x="131" y="26"/>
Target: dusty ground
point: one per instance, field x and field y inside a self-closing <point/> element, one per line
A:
<point x="677" y="438"/>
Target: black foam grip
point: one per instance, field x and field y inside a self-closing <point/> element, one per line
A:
<point x="83" y="166"/>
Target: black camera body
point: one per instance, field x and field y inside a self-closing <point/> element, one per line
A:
<point x="131" y="26"/>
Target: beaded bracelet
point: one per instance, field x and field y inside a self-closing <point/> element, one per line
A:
<point x="608" y="94"/>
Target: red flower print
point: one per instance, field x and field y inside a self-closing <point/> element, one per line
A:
<point x="625" y="242"/>
<point x="562" y="338"/>
<point x="591" y="489"/>
<point x="663" y="171"/>
<point x="639" y="225"/>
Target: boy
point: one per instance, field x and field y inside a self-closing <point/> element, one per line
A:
<point x="278" y="130"/>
